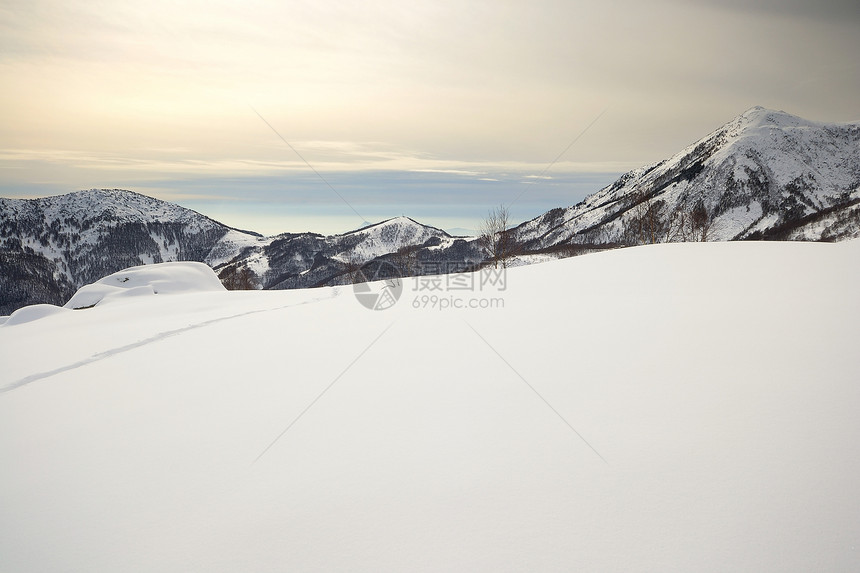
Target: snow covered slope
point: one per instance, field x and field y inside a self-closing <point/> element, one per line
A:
<point x="679" y="407"/>
<point x="766" y="175"/>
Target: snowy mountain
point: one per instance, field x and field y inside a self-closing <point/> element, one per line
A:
<point x="49" y="247"/>
<point x="700" y="418"/>
<point x="764" y="175"/>
<point x="308" y="259"/>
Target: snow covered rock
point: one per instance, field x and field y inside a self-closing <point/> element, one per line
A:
<point x="31" y="313"/>
<point x="162" y="278"/>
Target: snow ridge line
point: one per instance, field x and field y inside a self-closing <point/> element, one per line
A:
<point x="155" y="338"/>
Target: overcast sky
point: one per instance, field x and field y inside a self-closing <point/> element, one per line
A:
<point x="439" y="110"/>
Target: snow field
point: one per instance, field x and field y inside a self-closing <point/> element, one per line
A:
<point x="718" y="382"/>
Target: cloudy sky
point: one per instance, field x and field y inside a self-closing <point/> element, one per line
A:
<point x="438" y="110"/>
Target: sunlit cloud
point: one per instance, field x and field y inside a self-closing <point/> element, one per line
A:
<point x="161" y="163"/>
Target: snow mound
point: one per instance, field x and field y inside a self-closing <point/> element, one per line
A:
<point x="31" y="313"/>
<point x="161" y="278"/>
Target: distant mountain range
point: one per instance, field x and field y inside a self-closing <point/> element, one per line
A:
<point x="764" y="175"/>
<point x="50" y="247"/>
<point x="308" y="259"/>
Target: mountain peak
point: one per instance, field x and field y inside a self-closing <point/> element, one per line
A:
<point x="400" y="222"/>
<point x="755" y="111"/>
<point x="759" y="116"/>
<point x="101" y="194"/>
<point x="765" y="174"/>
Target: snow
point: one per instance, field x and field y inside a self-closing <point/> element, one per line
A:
<point x="718" y="381"/>
<point x="738" y="219"/>
<point x="31" y="313"/>
<point x="162" y="278"/>
<point x="232" y="243"/>
<point x="447" y="242"/>
<point x="532" y="259"/>
<point x="386" y="237"/>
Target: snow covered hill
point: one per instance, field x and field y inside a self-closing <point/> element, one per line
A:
<point x="678" y="407"/>
<point x="309" y="259"/>
<point x="764" y="175"/>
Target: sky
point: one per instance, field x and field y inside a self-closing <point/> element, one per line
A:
<point x="293" y="116"/>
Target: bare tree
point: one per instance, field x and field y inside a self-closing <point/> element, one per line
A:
<point x="646" y="220"/>
<point x="494" y="236"/>
<point x="700" y="222"/>
<point x="676" y="230"/>
<point x="691" y="222"/>
<point x="639" y="211"/>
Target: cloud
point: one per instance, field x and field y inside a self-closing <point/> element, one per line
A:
<point x="100" y="93"/>
<point x="829" y="10"/>
<point x="449" y="171"/>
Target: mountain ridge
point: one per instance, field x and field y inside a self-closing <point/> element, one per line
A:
<point x="765" y="174"/>
<point x="51" y="246"/>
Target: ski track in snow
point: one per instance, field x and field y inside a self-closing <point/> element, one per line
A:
<point x="140" y="343"/>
